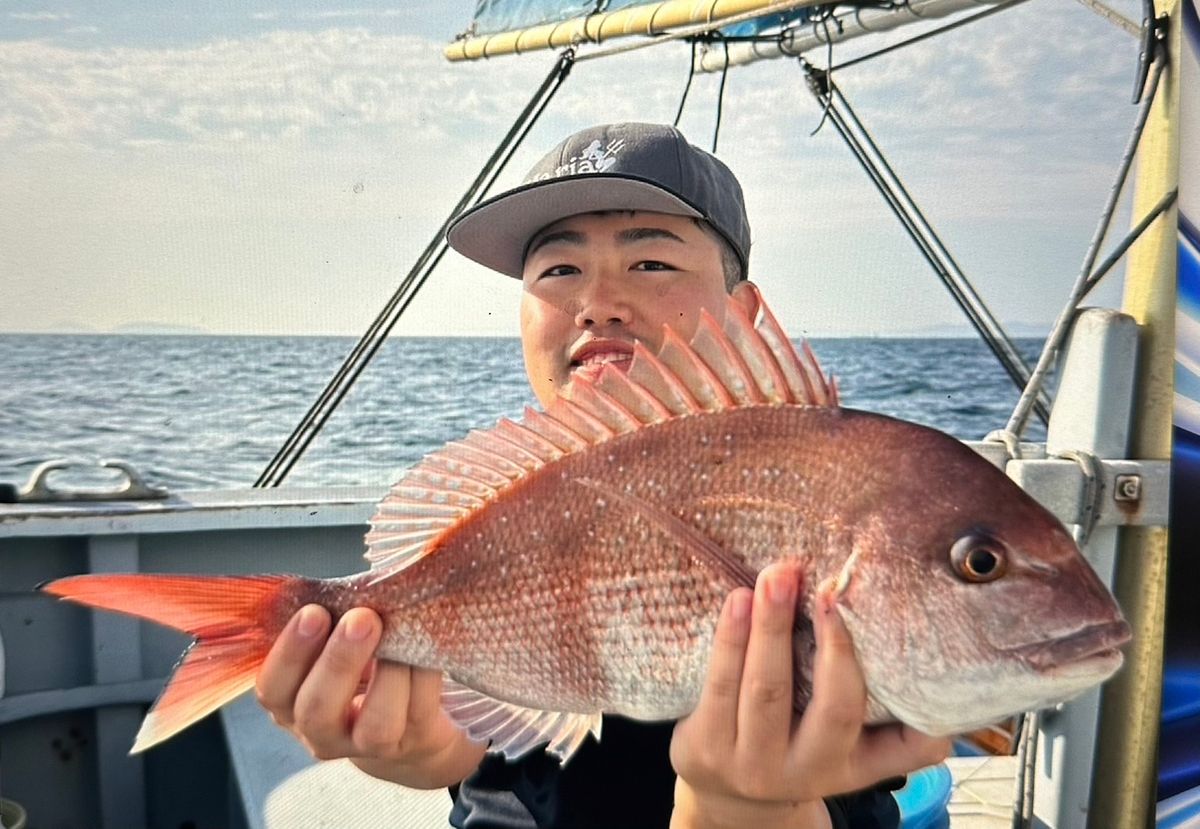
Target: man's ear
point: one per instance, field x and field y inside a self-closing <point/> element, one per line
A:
<point x="746" y="294"/>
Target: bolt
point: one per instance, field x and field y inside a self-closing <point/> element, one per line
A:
<point x="1128" y="488"/>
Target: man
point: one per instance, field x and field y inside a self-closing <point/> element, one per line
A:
<point x="622" y="228"/>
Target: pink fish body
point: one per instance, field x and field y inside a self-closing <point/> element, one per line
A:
<point x="575" y="563"/>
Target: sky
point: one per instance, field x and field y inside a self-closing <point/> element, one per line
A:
<point x="246" y="167"/>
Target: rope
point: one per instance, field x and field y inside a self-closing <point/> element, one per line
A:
<point x="364" y="350"/>
<point x="687" y="86"/>
<point x="720" y="99"/>
<point x="1022" y="814"/>
<point x="914" y="223"/>
<point x="1084" y="282"/>
<point x="1132" y="236"/>
<point x="1093" y="492"/>
<point x="1012" y="443"/>
<point x="1113" y="16"/>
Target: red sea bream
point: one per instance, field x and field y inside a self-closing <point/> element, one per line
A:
<point x="575" y="563"/>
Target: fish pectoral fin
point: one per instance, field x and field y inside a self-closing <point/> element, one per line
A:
<point x="709" y="551"/>
<point x="514" y="730"/>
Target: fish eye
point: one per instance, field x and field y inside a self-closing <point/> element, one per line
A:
<point x="978" y="557"/>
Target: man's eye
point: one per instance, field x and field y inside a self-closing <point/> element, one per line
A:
<point x="560" y="270"/>
<point x="653" y="265"/>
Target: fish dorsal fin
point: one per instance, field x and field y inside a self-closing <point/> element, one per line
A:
<point x="726" y="365"/>
<point x="514" y="730"/>
<point x="740" y="362"/>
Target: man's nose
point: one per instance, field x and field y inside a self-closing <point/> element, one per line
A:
<point x="601" y="304"/>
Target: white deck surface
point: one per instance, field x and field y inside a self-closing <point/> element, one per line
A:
<point x="336" y="795"/>
<point x="283" y="788"/>
<point x="982" y="797"/>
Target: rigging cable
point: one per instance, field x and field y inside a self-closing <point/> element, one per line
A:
<point x="824" y="20"/>
<point x="931" y="33"/>
<point x="917" y="227"/>
<point x="687" y="86"/>
<point x="721" y="97"/>
<point x="1088" y="278"/>
<point x="364" y="350"/>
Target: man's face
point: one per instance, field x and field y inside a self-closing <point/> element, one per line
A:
<point x="596" y="283"/>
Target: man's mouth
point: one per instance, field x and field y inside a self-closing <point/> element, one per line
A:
<point x="602" y="358"/>
<point x="593" y="356"/>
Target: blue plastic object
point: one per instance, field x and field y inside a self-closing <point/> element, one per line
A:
<point x="923" y="799"/>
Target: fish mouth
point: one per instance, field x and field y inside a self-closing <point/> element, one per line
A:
<point x="1095" y="643"/>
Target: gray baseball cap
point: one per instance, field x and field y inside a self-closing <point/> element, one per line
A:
<point x="610" y="167"/>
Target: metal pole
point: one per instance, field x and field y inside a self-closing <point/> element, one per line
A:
<point x="1127" y="757"/>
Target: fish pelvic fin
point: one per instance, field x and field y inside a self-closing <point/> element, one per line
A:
<point x="514" y="730"/>
<point x="729" y="364"/>
<point x="234" y="619"/>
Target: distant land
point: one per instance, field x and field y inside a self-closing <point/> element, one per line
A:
<point x="141" y="327"/>
<point x="1020" y="330"/>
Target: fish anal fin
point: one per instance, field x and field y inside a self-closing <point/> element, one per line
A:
<point x="513" y="730"/>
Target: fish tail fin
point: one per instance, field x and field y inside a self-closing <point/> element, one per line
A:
<point x="235" y="619"/>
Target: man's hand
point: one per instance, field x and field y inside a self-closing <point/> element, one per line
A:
<point x="743" y="757"/>
<point x="312" y="684"/>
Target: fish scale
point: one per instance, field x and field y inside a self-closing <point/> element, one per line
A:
<point x="574" y="563"/>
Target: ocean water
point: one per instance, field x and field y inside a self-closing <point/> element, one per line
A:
<point x="198" y="412"/>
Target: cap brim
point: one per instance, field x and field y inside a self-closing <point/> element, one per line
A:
<point x="496" y="232"/>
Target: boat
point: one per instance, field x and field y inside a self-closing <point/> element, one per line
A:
<point x="68" y="711"/>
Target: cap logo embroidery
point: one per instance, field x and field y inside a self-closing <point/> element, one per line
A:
<point x="593" y="159"/>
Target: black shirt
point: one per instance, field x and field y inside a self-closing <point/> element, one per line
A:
<point x="624" y="780"/>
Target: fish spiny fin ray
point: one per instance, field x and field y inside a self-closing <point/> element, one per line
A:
<point x="726" y="365"/>
<point x="514" y="730"/>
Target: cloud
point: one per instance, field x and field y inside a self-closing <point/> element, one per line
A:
<point x="40" y="16"/>
<point x="278" y="86"/>
<point x="300" y="164"/>
<point x="342" y="14"/>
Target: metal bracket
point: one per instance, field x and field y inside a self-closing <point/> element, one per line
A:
<point x="1154" y="32"/>
<point x="38" y="488"/>
<point x="1124" y="493"/>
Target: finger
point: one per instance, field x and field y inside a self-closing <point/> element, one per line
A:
<point x="425" y="714"/>
<point x="426" y="699"/>
<point x="289" y="660"/>
<point x="379" y="724"/>
<point x="716" y="713"/>
<point x="323" y="701"/>
<point x="766" y="700"/>
<point x="893" y="750"/>
<point x="833" y="721"/>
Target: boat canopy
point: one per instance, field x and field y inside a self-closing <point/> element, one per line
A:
<point x="511" y="26"/>
<point x="492" y="16"/>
